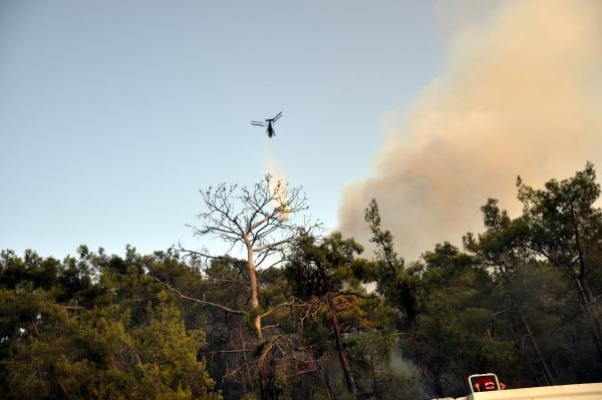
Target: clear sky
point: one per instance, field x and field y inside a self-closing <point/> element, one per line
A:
<point x="114" y="113"/>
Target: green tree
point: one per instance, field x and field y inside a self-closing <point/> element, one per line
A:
<point x="558" y="235"/>
<point x="500" y="251"/>
<point x="397" y="284"/>
<point x="320" y="263"/>
<point x="393" y="280"/>
<point x="455" y="334"/>
<point x="565" y="229"/>
<point x="349" y="326"/>
<point x="70" y="332"/>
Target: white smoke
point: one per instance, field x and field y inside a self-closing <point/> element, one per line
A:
<point x="519" y="94"/>
<point x="278" y="184"/>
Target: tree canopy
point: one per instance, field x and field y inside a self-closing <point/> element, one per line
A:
<point x="292" y="313"/>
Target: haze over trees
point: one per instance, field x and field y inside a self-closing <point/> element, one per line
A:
<point x="288" y="312"/>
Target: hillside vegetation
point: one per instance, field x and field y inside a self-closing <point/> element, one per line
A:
<point x="292" y="313"/>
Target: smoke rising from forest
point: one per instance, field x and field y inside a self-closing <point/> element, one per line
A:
<point x="274" y="169"/>
<point x="519" y="94"/>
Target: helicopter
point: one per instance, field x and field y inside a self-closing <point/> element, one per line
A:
<point x="269" y="123"/>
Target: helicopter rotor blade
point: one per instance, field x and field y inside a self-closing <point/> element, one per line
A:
<point x="257" y="123"/>
<point x="277" y="116"/>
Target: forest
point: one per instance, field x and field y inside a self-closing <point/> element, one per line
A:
<point x="290" y="311"/>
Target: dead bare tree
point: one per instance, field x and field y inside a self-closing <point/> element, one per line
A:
<point x="262" y="222"/>
<point x="258" y="225"/>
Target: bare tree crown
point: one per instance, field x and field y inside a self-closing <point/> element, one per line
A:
<point x="264" y="219"/>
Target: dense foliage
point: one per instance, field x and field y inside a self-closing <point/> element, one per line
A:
<point x="324" y="321"/>
<point x="95" y="327"/>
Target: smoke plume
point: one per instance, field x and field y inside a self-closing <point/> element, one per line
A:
<point x="519" y="95"/>
<point x="278" y="184"/>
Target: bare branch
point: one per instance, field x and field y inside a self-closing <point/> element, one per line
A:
<point x="238" y="351"/>
<point x="199" y="301"/>
<point x="291" y="303"/>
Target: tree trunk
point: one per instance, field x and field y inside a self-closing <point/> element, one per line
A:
<point x="245" y="380"/>
<point x="337" y="334"/>
<point x="591" y="311"/>
<point x="264" y="375"/>
<point x="339" y="345"/>
<point x="254" y="290"/>
<point x="326" y="380"/>
<point x="542" y="361"/>
<point x="266" y="390"/>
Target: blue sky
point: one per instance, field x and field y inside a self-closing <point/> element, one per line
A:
<point x="113" y="114"/>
